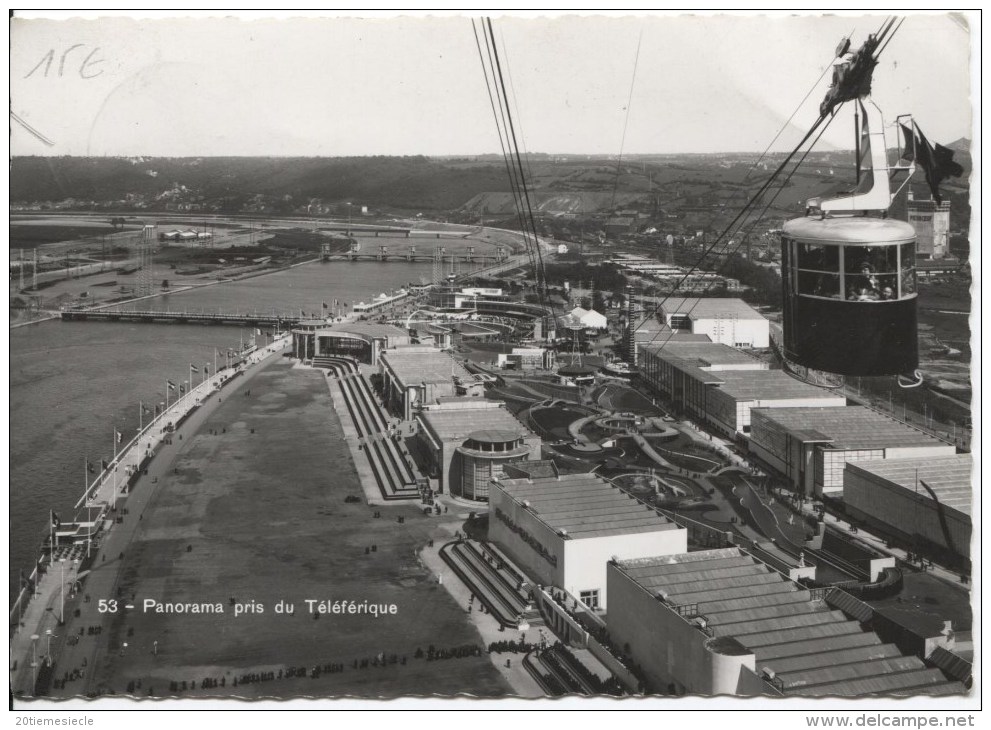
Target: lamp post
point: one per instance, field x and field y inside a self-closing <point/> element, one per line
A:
<point x="61" y="565"/>
<point x="34" y="661"/>
<point x="48" y="650"/>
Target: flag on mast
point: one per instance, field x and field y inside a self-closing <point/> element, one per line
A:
<point x="172" y="386"/>
<point x="55" y="522"/>
<point x="193" y="368"/>
<point x="936" y="161"/>
<point x="118" y="436"/>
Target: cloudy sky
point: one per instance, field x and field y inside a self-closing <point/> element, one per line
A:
<point x="347" y="86"/>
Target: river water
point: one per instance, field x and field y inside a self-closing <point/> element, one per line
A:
<point x="72" y="383"/>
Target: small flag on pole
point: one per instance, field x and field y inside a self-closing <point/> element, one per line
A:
<point x="172" y="386"/>
<point x="118" y="436"/>
<point x="145" y="409"/>
<point x="104" y="465"/>
<point x="257" y="331"/>
<point x="936" y="161"/>
<point x="193" y="368"/>
<point x="89" y="467"/>
<point x="55" y="520"/>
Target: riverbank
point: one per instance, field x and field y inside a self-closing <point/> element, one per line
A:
<point x="176" y="290"/>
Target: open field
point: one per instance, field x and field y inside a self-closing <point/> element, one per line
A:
<point x="255" y="512"/>
<point x="29" y="235"/>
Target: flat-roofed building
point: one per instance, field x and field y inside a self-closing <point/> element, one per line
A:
<point x="730" y="401"/>
<point x="680" y="371"/>
<point x="363" y="341"/>
<point x="381" y="303"/>
<point x="655" y="336"/>
<point x="562" y="530"/>
<point x="412" y="376"/>
<point x="811" y="446"/>
<point x="729" y="321"/>
<point x="722" y="622"/>
<point x="924" y="503"/>
<point x="649" y="333"/>
<point x="466" y="442"/>
<point x="719" y="385"/>
<point x="527" y="358"/>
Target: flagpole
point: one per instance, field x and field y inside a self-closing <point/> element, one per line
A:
<point x="113" y="500"/>
<point x="140" y="414"/>
<point x="89" y="516"/>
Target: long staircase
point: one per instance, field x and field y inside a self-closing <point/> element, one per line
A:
<point x="558" y="672"/>
<point x="390" y="463"/>
<point x="489" y="577"/>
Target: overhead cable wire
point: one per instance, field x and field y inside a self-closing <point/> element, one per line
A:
<point x="734" y="251"/>
<point x="510" y="169"/>
<point x="516" y="106"/>
<point x="518" y="174"/>
<point x="744" y="211"/>
<point x="629" y="103"/>
<point x="752" y="225"/>
<point x="541" y="275"/>
<point x="511" y="139"/>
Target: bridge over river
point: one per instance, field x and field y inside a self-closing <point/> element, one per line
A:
<point x="253" y="319"/>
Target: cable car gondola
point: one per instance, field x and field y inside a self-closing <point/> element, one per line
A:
<point x="847" y="270"/>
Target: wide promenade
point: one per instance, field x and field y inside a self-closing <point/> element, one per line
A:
<point x="55" y="591"/>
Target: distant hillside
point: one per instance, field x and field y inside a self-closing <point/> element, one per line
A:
<point x="698" y="189"/>
<point x="227" y="183"/>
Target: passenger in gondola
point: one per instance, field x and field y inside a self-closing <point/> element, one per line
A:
<point x="868" y="276"/>
<point x="861" y="293"/>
